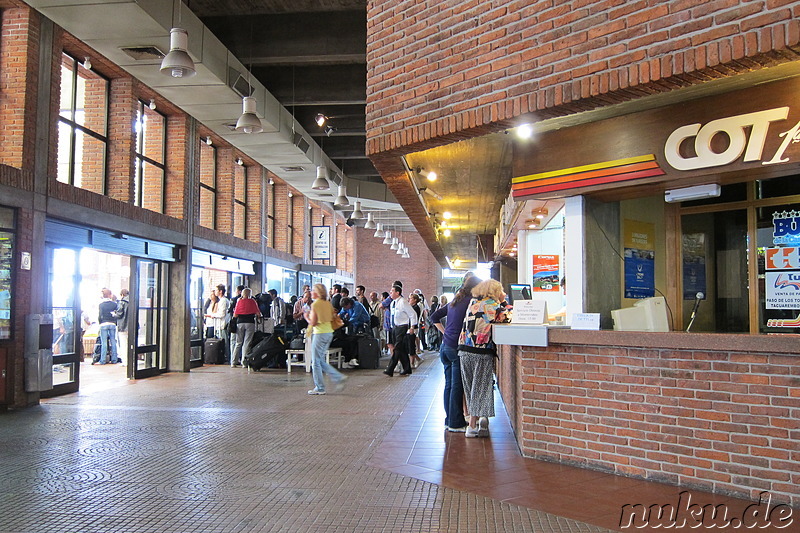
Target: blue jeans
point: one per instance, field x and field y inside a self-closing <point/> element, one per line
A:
<point x="453" y="388"/>
<point x="108" y="335"/>
<point x="319" y="366"/>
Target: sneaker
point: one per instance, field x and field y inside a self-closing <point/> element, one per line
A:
<point x="340" y="384"/>
<point x="353" y="362"/>
<point x="316" y="391"/>
<point x="471" y="432"/>
<point x="294" y="360"/>
<point x="483" y="427"/>
<point x="458" y="430"/>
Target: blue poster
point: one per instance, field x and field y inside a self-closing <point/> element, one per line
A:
<point x="640" y="273"/>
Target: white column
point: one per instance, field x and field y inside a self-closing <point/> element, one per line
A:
<point x="574" y="222"/>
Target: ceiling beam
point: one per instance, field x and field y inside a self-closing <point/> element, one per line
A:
<point x="317" y="86"/>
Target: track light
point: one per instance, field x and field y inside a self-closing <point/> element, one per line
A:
<point x="321" y="183"/>
<point x="430" y="192"/>
<point x="387" y="237"/>
<point x="370" y="222"/>
<point x="329" y="130"/>
<point x="379" y="232"/>
<point x="341" y="199"/>
<point x="177" y="62"/>
<point x="429" y="174"/>
<point x="249" y="122"/>
<point x="87" y="63"/>
<point x="320" y="119"/>
<point x="357" y="213"/>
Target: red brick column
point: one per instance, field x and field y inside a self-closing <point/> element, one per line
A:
<point x="177" y="195"/>
<point x="225" y="157"/>
<point x="121" y="141"/>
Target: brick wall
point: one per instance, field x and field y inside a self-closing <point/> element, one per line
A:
<point x="439" y="68"/>
<point x="376" y="267"/>
<point x="716" y="420"/>
<point x="225" y="166"/>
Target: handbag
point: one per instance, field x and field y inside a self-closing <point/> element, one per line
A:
<point x="232" y="325"/>
<point x="337" y="322"/>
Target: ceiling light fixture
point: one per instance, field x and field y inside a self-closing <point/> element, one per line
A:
<point x="239" y="161"/>
<point x="532" y="223"/>
<point x="271" y="181"/>
<point x="208" y="140"/>
<point x="321" y="183"/>
<point x="152" y="104"/>
<point x="290" y="194"/>
<point x="329" y="130"/>
<point x="430" y="192"/>
<point x="446" y="233"/>
<point x="539" y="213"/>
<point x="447" y="215"/>
<point x="87" y="63"/>
<point x="400" y="249"/>
<point x="320" y="119"/>
<point x="395" y="243"/>
<point x="428" y="174"/>
<point x="370" y="222"/>
<point x="405" y="255"/>
<point x="387" y="237"/>
<point x="177" y="62"/>
<point x="249" y="122"/>
<point x="379" y="231"/>
<point x="341" y="199"/>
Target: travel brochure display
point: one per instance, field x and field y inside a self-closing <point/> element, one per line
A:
<point x="782" y="265"/>
<point x="6" y="267"/>
<point x="640" y="259"/>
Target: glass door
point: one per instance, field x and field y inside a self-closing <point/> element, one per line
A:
<point x="64" y="304"/>
<point x="148" y="318"/>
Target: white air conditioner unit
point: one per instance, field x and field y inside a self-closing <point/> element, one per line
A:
<point x="698" y="192"/>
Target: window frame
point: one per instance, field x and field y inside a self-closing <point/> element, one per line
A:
<point x="241" y="203"/>
<point x="212" y="189"/>
<point x="74" y="126"/>
<point x="139" y="159"/>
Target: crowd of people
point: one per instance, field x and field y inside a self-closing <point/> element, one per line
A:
<point x="459" y="330"/>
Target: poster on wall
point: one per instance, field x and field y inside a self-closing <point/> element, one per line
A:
<point x="546" y="273"/>
<point x="321" y="242"/>
<point x="782" y="271"/>
<point x="694" y="265"/>
<point x="640" y="259"/>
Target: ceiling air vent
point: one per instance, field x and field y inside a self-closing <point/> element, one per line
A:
<point x="301" y="143"/>
<point x="239" y="83"/>
<point x="293" y="169"/>
<point x="143" y="53"/>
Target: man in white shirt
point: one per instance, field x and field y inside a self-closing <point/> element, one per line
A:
<point x="403" y="321"/>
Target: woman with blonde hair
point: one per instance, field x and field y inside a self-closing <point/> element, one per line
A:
<point x="476" y="350"/>
<point x="319" y="320"/>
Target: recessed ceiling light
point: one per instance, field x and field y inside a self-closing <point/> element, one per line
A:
<point x="447" y="215"/>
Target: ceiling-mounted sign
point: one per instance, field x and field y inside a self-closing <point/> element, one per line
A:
<point x="321" y="242"/>
<point x="755" y="130"/>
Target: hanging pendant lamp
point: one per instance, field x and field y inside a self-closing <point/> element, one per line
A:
<point x="249" y="122"/>
<point x="395" y="243"/>
<point x="379" y="232"/>
<point x="370" y="222"/>
<point x="321" y="183"/>
<point x="341" y="199"/>
<point x="177" y="62"/>
<point x="387" y="237"/>
<point x="357" y="213"/>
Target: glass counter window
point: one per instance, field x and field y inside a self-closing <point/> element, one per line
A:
<point x="6" y="270"/>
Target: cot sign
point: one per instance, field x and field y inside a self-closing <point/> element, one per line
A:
<point x="735" y="128"/>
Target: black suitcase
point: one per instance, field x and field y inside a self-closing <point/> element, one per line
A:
<point x="269" y="353"/>
<point x="213" y="351"/>
<point x="369" y="352"/>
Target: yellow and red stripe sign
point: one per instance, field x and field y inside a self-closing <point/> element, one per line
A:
<point x="631" y="168"/>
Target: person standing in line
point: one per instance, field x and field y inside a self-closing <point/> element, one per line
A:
<point x="208" y="318"/>
<point x="386" y="304"/>
<point x="108" y="327"/>
<point x="319" y="320"/>
<point x="448" y="352"/>
<point x="301" y="306"/>
<point x="223" y="307"/>
<point x="245" y="316"/>
<point x="433" y="335"/>
<point x="413" y="338"/>
<point x="122" y="323"/>
<point x="361" y="296"/>
<point x="336" y="297"/>
<point x="277" y="309"/>
<point x="477" y="352"/>
<point x="376" y="311"/>
<point x="404" y="321"/>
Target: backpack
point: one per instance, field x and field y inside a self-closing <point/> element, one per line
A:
<point x="264" y="301"/>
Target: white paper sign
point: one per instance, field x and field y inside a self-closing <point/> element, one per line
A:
<point x="586" y="321"/>
<point x="783" y="289"/>
<point x="321" y="242"/>
<point x="529" y="312"/>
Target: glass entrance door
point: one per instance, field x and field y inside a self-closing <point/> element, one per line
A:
<point x="149" y="318"/>
<point x="64" y="304"/>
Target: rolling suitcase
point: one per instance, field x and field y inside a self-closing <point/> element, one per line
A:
<point x="369" y="352"/>
<point x="213" y="351"/>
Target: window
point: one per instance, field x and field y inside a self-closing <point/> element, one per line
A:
<point x="6" y="269"/>
<point x="208" y="186"/>
<point x="82" y="127"/>
<point x="270" y="229"/>
<point x="290" y="224"/>
<point x="150" y="170"/>
<point x="240" y="201"/>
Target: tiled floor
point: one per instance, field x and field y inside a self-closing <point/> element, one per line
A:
<point x="218" y="449"/>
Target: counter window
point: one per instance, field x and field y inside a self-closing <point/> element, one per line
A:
<point x="6" y="270"/>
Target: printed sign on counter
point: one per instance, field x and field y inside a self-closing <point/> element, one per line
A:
<point x="530" y="312"/>
<point x="586" y="321"/>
